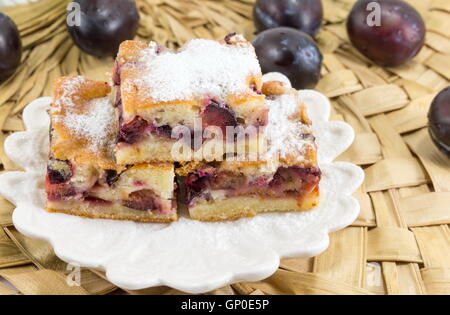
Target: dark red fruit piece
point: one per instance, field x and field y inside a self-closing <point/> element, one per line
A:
<point x="255" y="89"/>
<point x="61" y="194"/>
<point x="118" y="102"/>
<point x="220" y="115"/>
<point x="111" y="177"/>
<point x="104" y="25"/>
<point x="59" y="191"/>
<point x="141" y="200"/>
<point x="164" y="131"/>
<point x="291" y="52"/>
<point x="295" y="178"/>
<point x="304" y="15"/>
<point x="116" y="73"/>
<point x="229" y="37"/>
<point x="58" y="171"/>
<point x="307" y="172"/>
<point x="393" y="39"/>
<point x="133" y="131"/>
<point x="260" y="182"/>
<point x="10" y="47"/>
<point x="227" y="180"/>
<point x="195" y="180"/>
<point x="196" y="183"/>
<point x="439" y="121"/>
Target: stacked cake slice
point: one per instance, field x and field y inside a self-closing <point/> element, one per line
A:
<point x="284" y="178"/>
<point x="238" y="147"/>
<point x="82" y="176"/>
<point x="165" y="95"/>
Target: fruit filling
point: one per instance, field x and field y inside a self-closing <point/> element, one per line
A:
<point x="134" y="130"/>
<point x="67" y="181"/>
<point x="211" y="183"/>
<point x="213" y="114"/>
<point x="219" y="115"/>
<point x="142" y="200"/>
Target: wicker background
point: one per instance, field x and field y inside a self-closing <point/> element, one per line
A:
<point x="400" y="244"/>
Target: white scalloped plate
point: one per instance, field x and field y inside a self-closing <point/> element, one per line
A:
<point x="188" y="255"/>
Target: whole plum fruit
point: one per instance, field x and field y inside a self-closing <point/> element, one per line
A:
<point x="10" y="47"/>
<point x="439" y="121"/>
<point x="304" y="15"/>
<point x="104" y="24"/>
<point x="388" y="32"/>
<point x="291" y="52"/>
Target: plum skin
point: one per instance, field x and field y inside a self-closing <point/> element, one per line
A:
<point x="10" y="47"/>
<point x="291" y="52"/>
<point x="105" y="24"/>
<point x="304" y="15"/>
<point x="439" y="121"/>
<point x="399" y="38"/>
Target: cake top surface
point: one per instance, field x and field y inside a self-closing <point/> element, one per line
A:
<point x="200" y="68"/>
<point x="288" y="137"/>
<point x="94" y="125"/>
<point x="83" y="118"/>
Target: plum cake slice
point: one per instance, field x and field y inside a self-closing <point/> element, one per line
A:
<point x="205" y="84"/>
<point x="82" y="176"/>
<point x="285" y="178"/>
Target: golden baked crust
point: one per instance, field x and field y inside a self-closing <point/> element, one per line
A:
<point x="130" y="71"/>
<point x="73" y="96"/>
<point x="272" y="88"/>
<point x="188" y="167"/>
<point x="113" y="213"/>
<point x="234" y="208"/>
<point x="129" y="51"/>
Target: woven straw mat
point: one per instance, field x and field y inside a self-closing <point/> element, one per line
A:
<point x="400" y="244"/>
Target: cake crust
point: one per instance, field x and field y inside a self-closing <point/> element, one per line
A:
<point x="235" y="208"/>
<point x="126" y="214"/>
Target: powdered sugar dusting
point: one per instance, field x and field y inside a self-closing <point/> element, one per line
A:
<point x="69" y="96"/>
<point x="285" y="132"/>
<point x="92" y="120"/>
<point x="96" y="125"/>
<point x="202" y="67"/>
